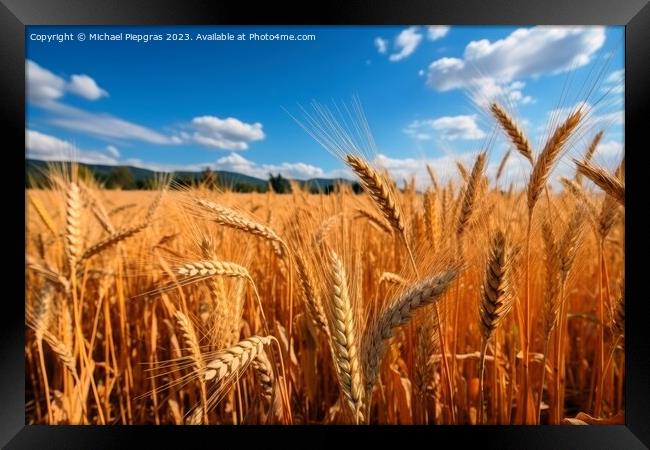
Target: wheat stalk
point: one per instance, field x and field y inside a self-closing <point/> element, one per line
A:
<point x="43" y="214"/>
<point x="73" y="224"/>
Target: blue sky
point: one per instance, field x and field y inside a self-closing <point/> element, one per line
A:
<point x="169" y="105"/>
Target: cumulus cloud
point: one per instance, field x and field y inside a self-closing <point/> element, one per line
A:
<point x="435" y="32"/>
<point x="406" y="42"/>
<point x="381" y="44"/>
<point x="236" y="163"/>
<point x="44" y="86"/>
<point x="86" y="87"/>
<point x="225" y="134"/>
<point x="448" y="127"/>
<point x="50" y="148"/>
<point x="486" y="67"/>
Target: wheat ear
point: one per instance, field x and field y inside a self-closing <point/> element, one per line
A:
<point x="431" y="218"/>
<point x="548" y="157"/>
<point x="97" y="209"/>
<point x="209" y="268"/>
<point x="264" y="372"/>
<point x="314" y="307"/>
<point x="514" y="132"/>
<point x="379" y="190"/>
<point x="397" y="313"/>
<point x="496" y="294"/>
<point x="551" y="305"/>
<point x="192" y="341"/>
<point x="576" y="190"/>
<point x="392" y="278"/>
<point x="343" y="338"/>
<point x="111" y="241"/>
<point x="502" y="164"/>
<point x="469" y="196"/>
<point x="233" y="219"/>
<point x="432" y="176"/>
<point x="462" y="170"/>
<point x="570" y="242"/>
<point x="374" y="220"/>
<point x="610" y="184"/>
<point x="589" y="153"/>
<point x="231" y="362"/>
<point x="496" y="298"/>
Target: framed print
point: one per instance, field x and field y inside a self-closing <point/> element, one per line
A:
<point x="350" y="218"/>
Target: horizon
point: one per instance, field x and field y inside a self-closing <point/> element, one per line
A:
<point x="228" y="104"/>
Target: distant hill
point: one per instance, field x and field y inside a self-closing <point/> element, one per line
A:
<point x="142" y="178"/>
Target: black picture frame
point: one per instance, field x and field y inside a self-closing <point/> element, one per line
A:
<point x="634" y="14"/>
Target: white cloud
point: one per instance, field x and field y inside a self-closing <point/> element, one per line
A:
<point x="86" y="87"/>
<point x="45" y="86"/>
<point x="404" y="168"/>
<point x="42" y="85"/>
<point x="237" y="163"/>
<point x="487" y="67"/>
<point x="447" y="127"/>
<point x="381" y="44"/>
<point x="407" y="41"/>
<point x="610" y="150"/>
<point x="50" y="148"/>
<point x="226" y="134"/>
<point x="435" y="32"/>
<point x="113" y="151"/>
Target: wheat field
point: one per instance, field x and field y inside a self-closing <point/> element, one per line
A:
<point x="469" y="302"/>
